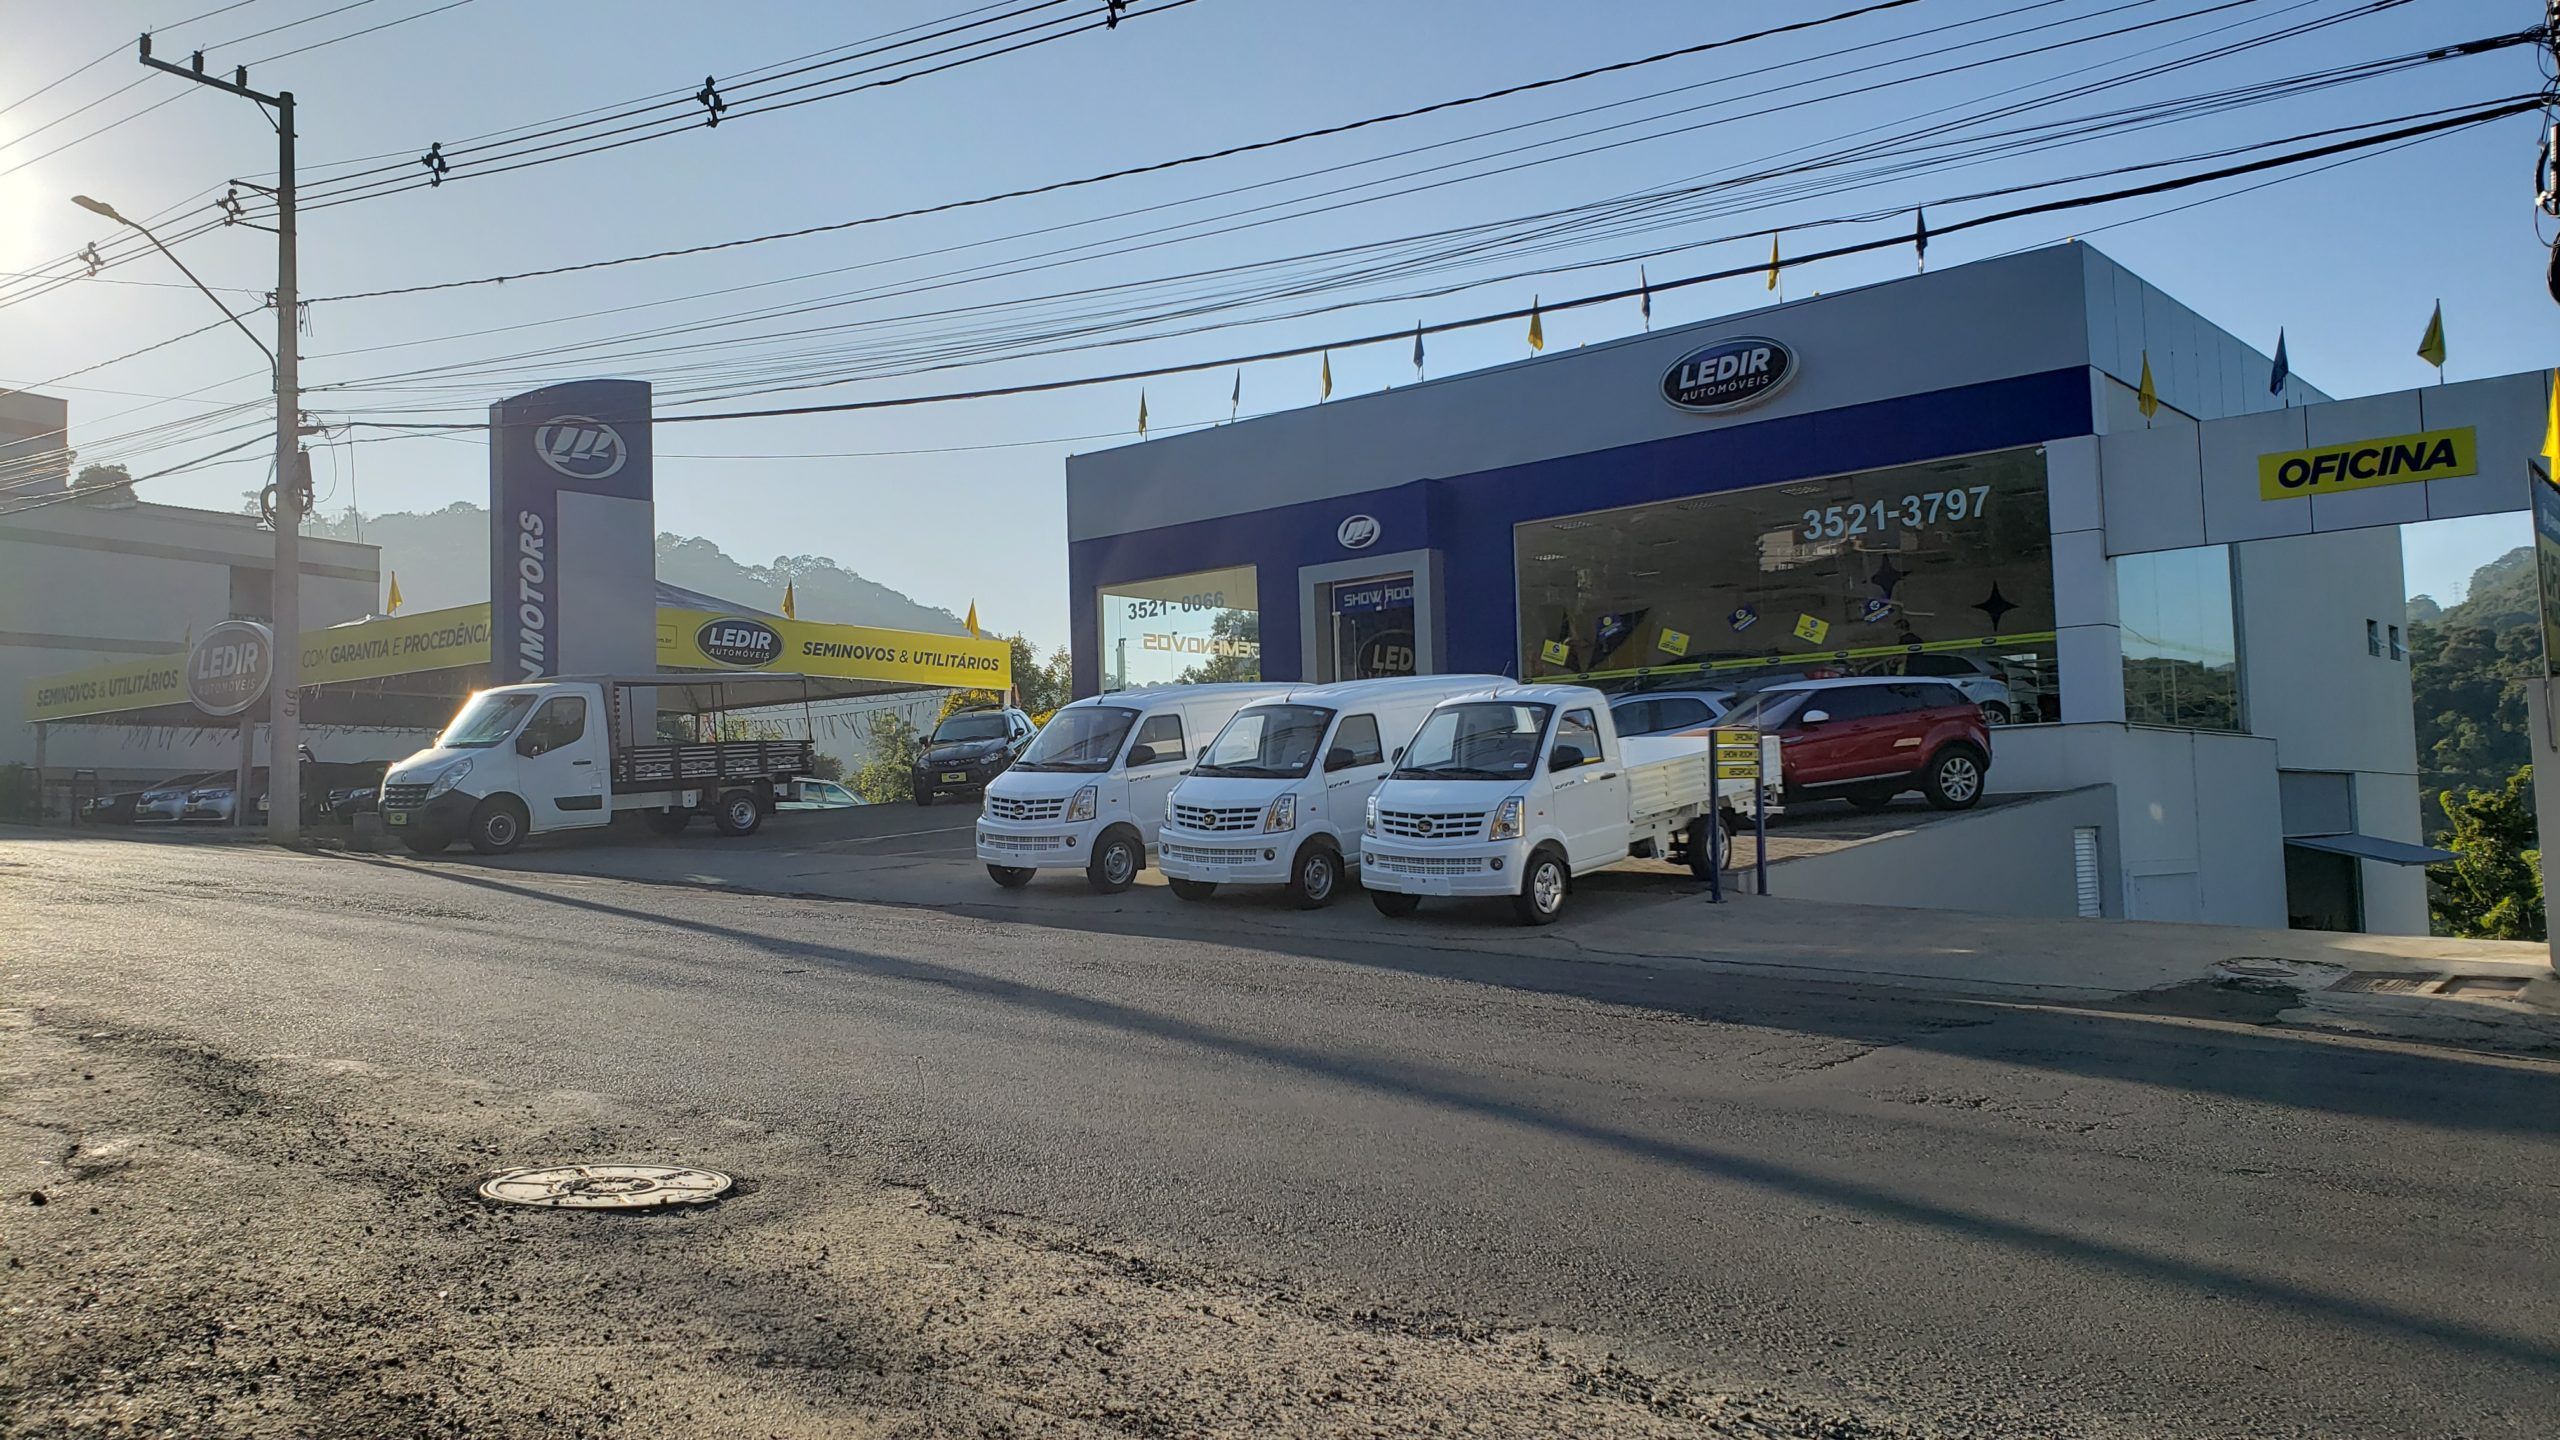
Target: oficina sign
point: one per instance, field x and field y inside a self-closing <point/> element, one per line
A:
<point x="228" y="668"/>
<point x="1729" y="374"/>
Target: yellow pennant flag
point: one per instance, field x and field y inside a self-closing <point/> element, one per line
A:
<point x="392" y="606"/>
<point x="1537" y="330"/>
<point x="2551" y="434"/>
<point x="972" y="621"/>
<point x="1142" y="414"/>
<point x="2147" y="397"/>
<point x="1328" y="375"/>
<point x="790" y="599"/>
<point x="2431" y="346"/>
<point x="1773" y="259"/>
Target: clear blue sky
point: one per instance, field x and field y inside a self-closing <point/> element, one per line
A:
<point x="2348" y="261"/>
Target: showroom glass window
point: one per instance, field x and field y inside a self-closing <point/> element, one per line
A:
<point x="2181" y="648"/>
<point x="1877" y="572"/>
<point x="1182" y="630"/>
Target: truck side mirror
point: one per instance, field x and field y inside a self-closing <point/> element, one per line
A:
<point x="1141" y="755"/>
<point x="1815" y="717"/>
<point x="529" y="744"/>
<point x="1565" y="757"/>
<point x="1340" y="758"/>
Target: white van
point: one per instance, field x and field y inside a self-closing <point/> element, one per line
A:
<point x="1279" y="796"/>
<point x="1090" y="792"/>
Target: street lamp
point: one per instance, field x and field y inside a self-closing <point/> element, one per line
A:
<point x="102" y="208"/>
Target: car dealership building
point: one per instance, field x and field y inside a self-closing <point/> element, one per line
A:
<point x="2198" y="614"/>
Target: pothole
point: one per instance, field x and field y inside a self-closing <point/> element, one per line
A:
<point x="605" y="1187"/>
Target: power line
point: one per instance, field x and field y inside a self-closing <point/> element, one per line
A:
<point x="354" y="34"/>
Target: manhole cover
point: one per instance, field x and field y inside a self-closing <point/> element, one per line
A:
<point x="605" y="1187"/>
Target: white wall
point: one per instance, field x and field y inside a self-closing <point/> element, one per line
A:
<point x="2008" y="860"/>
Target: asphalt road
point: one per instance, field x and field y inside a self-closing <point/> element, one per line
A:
<point x="1867" y="1210"/>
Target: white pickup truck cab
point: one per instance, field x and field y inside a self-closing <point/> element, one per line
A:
<point x="1090" y="792"/>
<point x="1280" y="796"/>
<point x="1515" y="790"/>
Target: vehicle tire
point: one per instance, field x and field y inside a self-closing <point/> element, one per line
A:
<point x="1011" y="877"/>
<point x="1395" y="904"/>
<point x="497" y="825"/>
<point x="1954" y="778"/>
<point x="737" y="812"/>
<point x="1995" y="713"/>
<point x="1315" y="877"/>
<point x="1117" y="858"/>
<point x="666" y="823"/>
<point x="924" y="799"/>
<point x="1869" y="802"/>
<point x="1544" y="883"/>
<point x="425" y="842"/>
<point x="1708" y="853"/>
<point x="1192" y="889"/>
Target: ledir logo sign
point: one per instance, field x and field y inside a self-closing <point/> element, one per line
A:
<point x="1358" y="532"/>
<point x="743" y="643"/>
<point x="1729" y="374"/>
<point x="228" y="669"/>
<point x="580" y="447"/>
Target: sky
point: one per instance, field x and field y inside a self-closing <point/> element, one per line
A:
<point x="962" y="502"/>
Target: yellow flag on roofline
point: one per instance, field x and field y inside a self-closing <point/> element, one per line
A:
<point x="1328" y="376"/>
<point x="1537" y="329"/>
<point x="972" y="621"/>
<point x="2551" y="434"/>
<point x="1142" y="414"/>
<point x="2146" y="398"/>
<point x="1773" y="260"/>
<point x="2431" y="345"/>
<point x="392" y="606"/>
<point x="790" y="599"/>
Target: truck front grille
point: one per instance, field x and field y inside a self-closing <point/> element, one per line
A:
<point x="1001" y="807"/>
<point x="1423" y="864"/>
<point x="1213" y="821"/>
<point x="1432" y="824"/>
<point x="403" y="797"/>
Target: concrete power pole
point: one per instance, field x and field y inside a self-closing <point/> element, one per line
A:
<point x="292" y="490"/>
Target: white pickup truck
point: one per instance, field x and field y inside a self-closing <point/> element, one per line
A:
<point x="566" y="755"/>
<point x="1514" y="791"/>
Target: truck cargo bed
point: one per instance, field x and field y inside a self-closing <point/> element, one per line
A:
<point x="705" y="766"/>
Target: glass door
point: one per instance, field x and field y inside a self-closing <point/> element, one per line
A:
<point x="1370" y="629"/>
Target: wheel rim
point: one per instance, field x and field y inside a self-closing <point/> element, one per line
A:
<point x="1118" y="865"/>
<point x="1317" y="878"/>
<point x="1995" y="715"/>
<point x="1959" y="778"/>
<point x="742" y="813"/>
<point x="501" y="828"/>
<point x="1546" y="887"/>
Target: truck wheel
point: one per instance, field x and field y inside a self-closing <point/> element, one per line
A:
<point x="1316" y="875"/>
<point x="924" y="799"/>
<point x="425" y="842"/>
<point x="1192" y="889"/>
<point x="1117" y="858"/>
<point x="497" y="825"/>
<point x="1708" y="853"/>
<point x="738" y="813"/>
<point x="667" y="822"/>
<point x="1542" y="889"/>
<point x="1954" y="780"/>
<point x="1395" y="904"/>
<point x="1011" y="877"/>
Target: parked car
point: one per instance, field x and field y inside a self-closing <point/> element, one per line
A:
<point x="815" y="795"/>
<point x="1974" y="676"/>
<point x="968" y="749"/>
<point x="1868" y="739"/>
<point x="1670" y="712"/>
<point x="167" y="800"/>
<point x="343" y="790"/>
<point x="217" y="800"/>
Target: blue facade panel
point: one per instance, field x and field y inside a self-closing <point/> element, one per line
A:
<point x="1469" y="518"/>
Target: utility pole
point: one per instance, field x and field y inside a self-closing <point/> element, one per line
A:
<point x="292" y="486"/>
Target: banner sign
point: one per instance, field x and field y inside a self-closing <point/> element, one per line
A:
<point x="2365" y="464"/>
<point x="1737" y="754"/>
<point x="1373" y="596"/>
<point x="709" y="640"/>
<point x="105" y="689"/>
<point x="590" y="437"/>
<point x="229" y="666"/>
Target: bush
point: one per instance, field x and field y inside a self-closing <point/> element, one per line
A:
<point x="888" y="773"/>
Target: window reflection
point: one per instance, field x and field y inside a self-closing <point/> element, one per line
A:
<point x="2181" y="651"/>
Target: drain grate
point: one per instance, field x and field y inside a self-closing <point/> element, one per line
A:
<point x="2390" y="982"/>
<point x="605" y="1187"/>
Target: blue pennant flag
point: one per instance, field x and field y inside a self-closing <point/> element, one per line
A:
<point x="2283" y="368"/>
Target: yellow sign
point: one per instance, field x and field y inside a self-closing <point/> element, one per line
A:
<point x="1812" y="630"/>
<point x="855" y="652"/>
<point x="1673" y="642"/>
<point x="400" y="645"/>
<point x="103" y="689"/>
<point x="1737" y="754"/>
<point x="1556" y="652"/>
<point x="2365" y="464"/>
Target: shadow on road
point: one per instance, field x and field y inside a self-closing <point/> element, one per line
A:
<point x="2417" y="1087"/>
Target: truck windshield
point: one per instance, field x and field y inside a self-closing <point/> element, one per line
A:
<point x="1765" y="711"/>
<point x="1267" y="742"/>
<point x="970" y="726"/>
<point x="487" y="720"/>
<point x="1480" y="740"/>
<point x="1083" y="737"/>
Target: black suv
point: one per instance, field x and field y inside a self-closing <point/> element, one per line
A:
<point x="968" y="749"/>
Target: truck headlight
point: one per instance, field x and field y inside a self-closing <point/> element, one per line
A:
<point x="1369" y="825"/>
<point x="449" y="778"/>
<point x="1168" y="807"/>
<point x="1082" y="806"/>
<point x="1505" y="824"/>
<point x="1282" y="815"/>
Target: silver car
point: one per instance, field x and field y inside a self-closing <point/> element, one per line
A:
<point x="1980" y="683"/>
<point x="167" y="801"/>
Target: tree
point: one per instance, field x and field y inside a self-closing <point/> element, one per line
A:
<point x="826" y="767"/>
<point x="2492" y="888"/>
<point x="888" y="773"/>
<point x="104" y="485"/>
<point x="1045" y="685"/>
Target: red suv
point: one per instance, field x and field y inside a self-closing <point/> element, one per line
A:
<point x="1870" y="739"/>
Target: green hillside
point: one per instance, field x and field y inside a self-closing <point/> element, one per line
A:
<point x="2468" y="663"/>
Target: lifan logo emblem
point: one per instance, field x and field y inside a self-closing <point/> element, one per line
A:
<point x="580" y="447"/>
<point x="1358" y="532"/>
